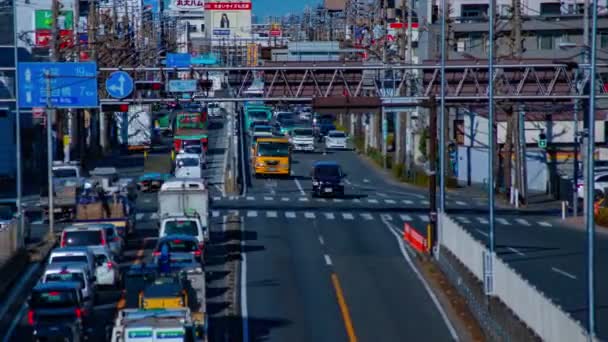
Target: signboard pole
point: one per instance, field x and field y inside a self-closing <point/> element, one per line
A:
<point x="17" y="121"/>
<point x="49" y="144"/>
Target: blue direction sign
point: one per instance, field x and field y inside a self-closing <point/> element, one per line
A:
<point x="178" y="60"/>
<point x="119" y="85"/>
<point x="208" y="59"/>
<point x="72" y="85"/>
<point x="182" y="86"/>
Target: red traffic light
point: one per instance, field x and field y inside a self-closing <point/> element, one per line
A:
<point x="115" y="107"/>
<point x="149" y="85"/>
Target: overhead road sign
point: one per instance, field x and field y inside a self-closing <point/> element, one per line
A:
<point x="208" y="59"/>
<point x="182" y="86"/>
<point x="178" y="60"/>
<point x="73" y="85"/>
<point x="119" y="85"/>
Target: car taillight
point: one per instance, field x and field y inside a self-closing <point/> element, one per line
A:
<point x="156" y="253"/>
<point x="109" y="264"/>
<point x="30" y="317"/>
<point x="116" y="239"/>
<point x="197" y="252"/>
<point x="78" y="313"/>
<point x="103" y="241"/>
<point x="63" y="240"/>
<point x="201" y="246"/>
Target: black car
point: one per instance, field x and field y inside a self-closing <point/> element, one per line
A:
<point x="327" y="179"/>
<point x="58" y="309"/>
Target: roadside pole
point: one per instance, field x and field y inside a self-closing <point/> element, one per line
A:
<point x="49" y="142"/>
<point x="18" y="156"/>
<point x="432" y="104"/>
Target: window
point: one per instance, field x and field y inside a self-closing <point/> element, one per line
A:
<point x="550" y="8"/>
<point x="181" y="227"/>
<point x="474" y="11"/>
<point x="505" y="10"/>
<point x="202" y="27"/>
<point x="192" y="28"/>
<point x="603" y="35"/>
<point x="83" y="238"/>
<point x="69" y="258"/>
<point x="547" y="41"/>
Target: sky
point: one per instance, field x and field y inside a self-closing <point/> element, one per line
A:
<point x="263" y="8"/>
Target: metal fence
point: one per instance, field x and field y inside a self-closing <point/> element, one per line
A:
<point x="11" y="239"/>
<point x="546" y="319"/>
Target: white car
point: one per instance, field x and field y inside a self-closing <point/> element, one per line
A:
<point x="214" y="110"/>
<point x="72" y="271"/>
<point x="302" y="139"/>
<point x="336" y="139"/>
<point x="188" y="165"/>
<point x="600" y="184"/>
<point x="106" y="269"/>
<point x="198" y="150"/>
<point x="184" y="225"/>
<point x="73" y="255"/>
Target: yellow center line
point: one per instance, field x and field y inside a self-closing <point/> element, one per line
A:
<point x="348" y="323"/>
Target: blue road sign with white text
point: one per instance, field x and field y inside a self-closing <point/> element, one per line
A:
<point x="178" y="60"/>
<point x="72" y="85"/>
<point x="182" y="86"/>
<point x="119" y="85"/>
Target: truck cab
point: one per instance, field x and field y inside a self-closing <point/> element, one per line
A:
<point x="271" y="156"/>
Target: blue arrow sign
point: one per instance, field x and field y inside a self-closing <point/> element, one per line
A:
<point x="119" y="85"/>
<point x="72" y="85"/>
<point x="178" y="60"/>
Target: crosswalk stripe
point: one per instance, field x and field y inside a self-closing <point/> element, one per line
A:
<point x="372" y="200"/>
<point x="234" y="212"/>
<point x="284" y="199"/>
<point x="425" y="202"/>
<point x="502" y="221"/>
<point x="423" y="218"/>
<point x="154" y="216"/>
<point x="367" y="216"/>
<point x="482" y="220"/>
<point x="405" y="217"/>
<point x="139" y="216"/>
<point x="215" y="213"/>
<point x="290" y="214"/>
<point x="337" y="200"/>
<point x="463" y="219"/>
<point x="303" y="199"/>
<point x="356" y="200"/>
<point x="217" y="198"/>
<point x="545" y="224"/>
<point x="389" y="201"/>
<point x="267" y="198"/>
<point x="252" y="213"/>
<point x="329" y="216"/>
<point x="460" y="203"/>
<point x="321" y="199"/>
<point x="407" y="202"/>
<point x="347" y="216"/>
<point x="309" y="215"/>
<point x="271" y="214"/>
<point x="250" y="198"/>
<point x="522" y="222"/>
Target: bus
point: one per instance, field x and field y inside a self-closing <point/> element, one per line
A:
<point x="256" y="112"/>
<point x="271" y="156"/>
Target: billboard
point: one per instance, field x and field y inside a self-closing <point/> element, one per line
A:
<point x="44" y="20"/>
<point x="186" y="5"/>
<point x="228" y="19"/>
<point x="335" y="5"/>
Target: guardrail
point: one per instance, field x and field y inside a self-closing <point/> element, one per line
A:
<point x="539" y="313"/>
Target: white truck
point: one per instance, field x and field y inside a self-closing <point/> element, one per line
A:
<point x="135" y="128"/>
<point x="169" y="325"/>
<point x="67" y="183"/>
<point x="185" y="198"/>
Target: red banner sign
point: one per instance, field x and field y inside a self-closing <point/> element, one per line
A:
<point x="415" y="239"/>
<point x="228" y="6"/>
<point x="275" y="33"/>
<point x="43" y="38"/>
<point x="402" y="25"/>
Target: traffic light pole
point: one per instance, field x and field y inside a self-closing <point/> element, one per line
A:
<point x="49" y="142"/>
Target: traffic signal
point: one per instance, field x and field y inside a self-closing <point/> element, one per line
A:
<point x="115" y="107"/>
<point x="542" y="140"/>
<point x="148" y="85"/>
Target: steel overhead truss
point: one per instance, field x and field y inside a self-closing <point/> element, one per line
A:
<point x="466" y="82"/>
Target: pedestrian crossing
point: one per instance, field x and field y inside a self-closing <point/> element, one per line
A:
<point x="474" y="220"/>
<point x="357" y="200"/>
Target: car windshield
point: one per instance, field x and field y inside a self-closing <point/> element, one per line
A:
<point x="195" y="149"/>
<point x="187" y="143"/>
<point x="273" y="149"/>
<point x="66" y="276"/>
<point x="181" y="227"/>
<point x="54" y="299"/>
<point x="337" y="135"/>
<point x="6" y="212"/>
<point x="110" y="233"/>
<point x="69" y="258"/>
<point x="327" y="171"/>
<point x="82" y="238"/>
<point x="64" y="173"/>
<point x="259" y="129"/>
<point x="100" y="259"/>
<point x="302" y="132"/>
<point x="257" y="114"/>
<point x="178" y="245"/>
<point x="187" y="162"/>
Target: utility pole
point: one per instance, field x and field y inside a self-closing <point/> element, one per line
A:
<point x="432" y="105"/>
<point x="18" y="156"/>
<point x="409" y="154"/>
<point x="516" y="123"/>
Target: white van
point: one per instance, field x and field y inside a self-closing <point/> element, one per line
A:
<point x="188" y="165"/>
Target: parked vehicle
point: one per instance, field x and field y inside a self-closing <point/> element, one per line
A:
<point x="336" y="140"/>
<point x="185" y="198"/>
<point x="58" y="309"/>
<point x="10" y="216"/>
<point x="327" y="179"/>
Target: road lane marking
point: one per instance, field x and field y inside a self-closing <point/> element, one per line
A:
<point x="290" y="214"/>
<point x="299" y="186"/>
<point x="309" y="215"/>
<point x="367" y="216"/>
<point x="268" y="198"/>
<point x="329" y="216"/>
<point x="405" y="217"/>
<point x="463" y="219"/>
<point x="252" y="213"/>
<point x="321" y="240"/>
<point x="424" y="218"/>
<point x="407" y="202"/>
<point x="460" y="203"/>
<point x="564" y="273"/>
<point x="482" y="232"/>
<point x="234" y="212"/>
<point x="347" y="182"/>
<point x="356" y="200"/>
<point x="425" y="202"/>
<point x="303" y="199"/>
<point x="139" y="216"/>
<point x="271" y="214"/>
<point x="545" y="224"/>
<point x="522" y="222"/>
<point x="327" y="260"/>
<point x="389" y="201"/>
<point x="250" y="198"/>
<point x="154" y="216"/>
<point x="516" y="251"/>
<point x="502" y="221"/>
<point x="348" y="323"/>
<point x="284" y="199"/>
<point x="347" y="216"/>
<point x="381" y="194"/>
<point x="482" y="220"/>
<point x="217" y="198"/>
<point x="338" y="200"/>
<point x="321" y="199"/>
<point x="386" y="217"/>
<point x="397" y="234"/>
<point x="372" y="200"/>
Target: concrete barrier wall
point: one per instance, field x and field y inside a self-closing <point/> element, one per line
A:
<point x="542" y="316"/>
<point x="11" y="240"/>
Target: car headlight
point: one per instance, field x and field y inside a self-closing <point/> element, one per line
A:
<point x="259" y="164"/>
<point x="315" y="183"/>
